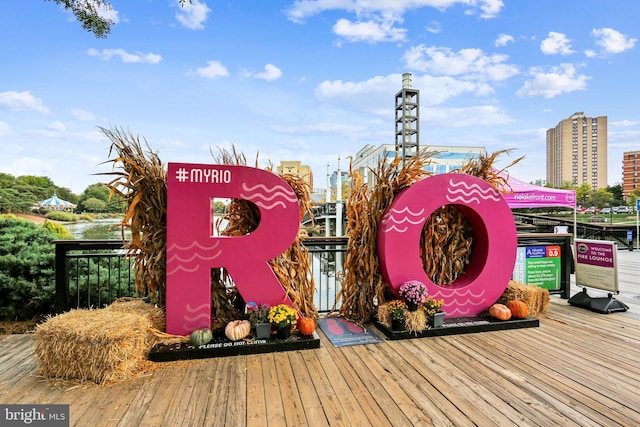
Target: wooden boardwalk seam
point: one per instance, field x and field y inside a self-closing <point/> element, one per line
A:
<point x="578" y="368"/>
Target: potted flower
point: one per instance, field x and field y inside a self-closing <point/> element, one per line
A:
<point x="414" y="293"/>
<point x="259" y="318"/>
<point x="397" y="310"/>
<point x="282" y="317"/>
<point x="433" y="309"/>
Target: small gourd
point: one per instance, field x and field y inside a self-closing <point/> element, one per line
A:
<point x="306" y="325"/>
<point x="500" y="312"/>
<point x="200" y="336"/>
<point x="519" y="309"/>
<point x="237" y="329"/>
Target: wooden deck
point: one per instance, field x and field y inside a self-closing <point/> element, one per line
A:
<point x="578" y="368"/>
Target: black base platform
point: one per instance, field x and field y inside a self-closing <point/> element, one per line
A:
<point x="462" y="325"/>
<point x="221" y="346"/>
<point x="603" y="305"/>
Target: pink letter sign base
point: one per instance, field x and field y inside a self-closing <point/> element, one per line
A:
<point x="494" y="247"/>
<point x="192" y="251"/>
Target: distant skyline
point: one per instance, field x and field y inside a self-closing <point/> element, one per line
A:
<point x="311" y="80"/>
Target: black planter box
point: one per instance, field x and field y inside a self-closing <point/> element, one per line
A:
<point x="220" y="347"/>
<point x="462" y="325"/>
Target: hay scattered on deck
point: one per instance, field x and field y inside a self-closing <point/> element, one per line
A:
<point x="536" y="298"/>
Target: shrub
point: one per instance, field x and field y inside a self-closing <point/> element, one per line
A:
<point x="27" y="269"/>
<point x="62" y="216"/>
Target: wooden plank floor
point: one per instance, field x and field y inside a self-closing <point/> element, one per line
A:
<point x="577" y="369"/>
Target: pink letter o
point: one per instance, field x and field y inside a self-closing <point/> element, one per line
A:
<point x="494" y="247"/>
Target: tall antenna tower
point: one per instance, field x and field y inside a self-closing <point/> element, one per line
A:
<point x="407" y="120"/>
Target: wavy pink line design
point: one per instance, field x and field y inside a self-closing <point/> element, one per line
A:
<point x="398" y="229"/>
<point x="408" y="210"/>
<point x="462" y="199"/>
<point x="397" y="217"/>
<point x="201" y="316"/>
<point x="277" y="190"/>
<point x="470" y="193"/>
<point x="182" y="268"/>
<point x="460" y="302"/>
<point x="176" y="257"/>
<point x="201" y="307"/>
<point x="447" y="293"/>
<point x="175" y="246"/>
<point x="268" y="207"/>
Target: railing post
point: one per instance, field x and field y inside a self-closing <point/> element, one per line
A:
<point x="62" y="278"/>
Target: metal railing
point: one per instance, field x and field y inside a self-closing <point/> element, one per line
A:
<point x="94" y="273"/>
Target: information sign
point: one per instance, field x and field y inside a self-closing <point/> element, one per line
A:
<point x="539" y="266"/>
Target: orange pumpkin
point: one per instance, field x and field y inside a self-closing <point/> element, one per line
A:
<point x="500" y="312"/>
<point x="306" y="325"/>
<point x="519" y="309"/>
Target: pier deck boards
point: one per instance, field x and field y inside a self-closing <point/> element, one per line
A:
<point x="577" y="369"/>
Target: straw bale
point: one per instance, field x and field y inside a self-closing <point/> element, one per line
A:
<point x="95" y="345"/>
<point x="138" y="305"/>
<point x="416" y="321"/>
<point x="536" y="298"/>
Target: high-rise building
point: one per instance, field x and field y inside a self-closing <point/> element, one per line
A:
<point x="296" y="168"/>
<point x="577" y="152"/>
<point x="630" y="172"/>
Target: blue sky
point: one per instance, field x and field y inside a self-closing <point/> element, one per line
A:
<point x="311" y="80"/>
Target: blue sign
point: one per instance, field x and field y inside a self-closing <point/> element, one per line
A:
<point x="637" y="205"/>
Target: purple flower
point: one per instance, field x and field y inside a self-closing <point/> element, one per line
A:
<point x="413" y="291"/>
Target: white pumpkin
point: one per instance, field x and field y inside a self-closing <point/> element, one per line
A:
<point x="237" y="329"/>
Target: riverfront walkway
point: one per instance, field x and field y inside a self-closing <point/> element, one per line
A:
<point x="578" y="368"/>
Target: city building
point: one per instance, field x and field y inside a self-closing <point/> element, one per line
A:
<point x="577" y="152"/>
<point x="445" y="158"/>
<point x="296" y="168"/>
<point x="630" y="172"/>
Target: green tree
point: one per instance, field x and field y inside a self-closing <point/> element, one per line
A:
<point x="583" y="195"/>
<point x="35" y="181"/>
<point x="87" y="12"/>
<point x="94" y="205"/>
<point x="601" y="198"/>
<point x="113" y="204"/>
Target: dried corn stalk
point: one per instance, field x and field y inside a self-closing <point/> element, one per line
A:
<point x="142" y="183"/>
<point x="446" y="242"/>
<point x="362" y="283"/>
<point x="292" y="268"/>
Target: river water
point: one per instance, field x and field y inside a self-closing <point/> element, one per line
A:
<point x="99" y="229"/>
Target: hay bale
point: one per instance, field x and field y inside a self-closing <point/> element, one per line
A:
<point x="536" y="298"/>
<point x="96" y="345"/>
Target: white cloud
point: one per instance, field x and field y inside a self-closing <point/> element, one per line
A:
<point x="556" y="43"/>
<point x="193" y="14"/>
<point x="372" y="31"/>
<point x="471" y="62"/>
<point x="434" y="27"/>
<point x="612" y="41"/>
<point x="559" y="80"/>
<point x="589" y="53"/>
<point x="212" y="70"/>
<point x="503" y="40"/>
<point x="625" y="123"/>
<point x="107" y="12"/>
<point x="57" y="126"/>
<point x="271" y="73"/>
<point x="126" y="57"/>
<point x="22" y="101"/>
<point x="83" y="115"/>
<point x="302" y="9"/>
<point x="372" y="95"/>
